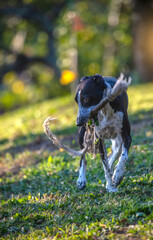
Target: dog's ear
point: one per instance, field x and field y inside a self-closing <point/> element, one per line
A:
<point x="99" y="79"/>
<point x="78" y="88"/>
<point x="76" y="97"/>
<point x="84" y="78"/>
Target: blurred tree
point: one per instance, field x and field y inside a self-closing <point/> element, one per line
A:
<point x="44" y="22"/>
<point x="110" y="49"/>
<point x="41" y="39"/>
<point x="102" y="39"/>
<point x="28" y="58"/>
<point x="143" y="38"/>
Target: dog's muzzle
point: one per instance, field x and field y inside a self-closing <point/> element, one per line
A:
<point x="81" y="121"/>
<point x="83" y="115"/>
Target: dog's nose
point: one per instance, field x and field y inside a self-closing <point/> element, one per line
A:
<point x="79" y="122"/>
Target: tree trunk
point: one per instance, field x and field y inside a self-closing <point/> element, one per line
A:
<point x="143" y="39"/>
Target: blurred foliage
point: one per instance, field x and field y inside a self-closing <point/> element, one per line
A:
<point x="89" y="37"/>
<point x="92" y="37"/>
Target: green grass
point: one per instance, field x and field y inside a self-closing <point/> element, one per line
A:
<point x="38" y="194"/>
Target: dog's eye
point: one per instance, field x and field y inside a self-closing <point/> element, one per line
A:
<point x="85" y="100"/>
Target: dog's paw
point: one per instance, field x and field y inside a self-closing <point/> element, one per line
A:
<point x="111" y="188"/>
<point x="81" y="185"/>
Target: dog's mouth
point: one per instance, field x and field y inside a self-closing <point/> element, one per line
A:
<point x="83" y="115"/>
<point x="80" y="121"/>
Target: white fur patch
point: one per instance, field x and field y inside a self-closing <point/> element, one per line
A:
<point x="109" y="183"/>
<point x="120" y="167"/>
<point x="110" y="123"/>
<point x="116" y="150"/>
<point x="81" y="182"/>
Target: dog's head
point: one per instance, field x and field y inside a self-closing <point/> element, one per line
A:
<point x="88" y="94"/>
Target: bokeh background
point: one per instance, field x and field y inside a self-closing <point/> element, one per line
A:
<point x="46" y="46"/>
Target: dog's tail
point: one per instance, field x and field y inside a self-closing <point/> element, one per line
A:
<point x="58" y="143"/>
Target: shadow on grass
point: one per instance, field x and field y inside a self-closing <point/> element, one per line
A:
<point x="30" y="149"/>
<point x="4" y="141"/>
<point x="141" y="116"/>
<point x="34" y="142"/>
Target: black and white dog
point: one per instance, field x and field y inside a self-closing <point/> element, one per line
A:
<point x="113" y="125"/>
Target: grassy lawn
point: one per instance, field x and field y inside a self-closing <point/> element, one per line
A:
<point x="38" y="194"/>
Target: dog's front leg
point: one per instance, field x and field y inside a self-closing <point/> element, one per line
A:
<point x="116" y="151"/>
<point x="120" y="167"/>
<point x="81" y="182"/>
<point x="108" y="176"/>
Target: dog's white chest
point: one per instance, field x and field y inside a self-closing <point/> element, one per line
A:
<point x="110" y="122"/>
